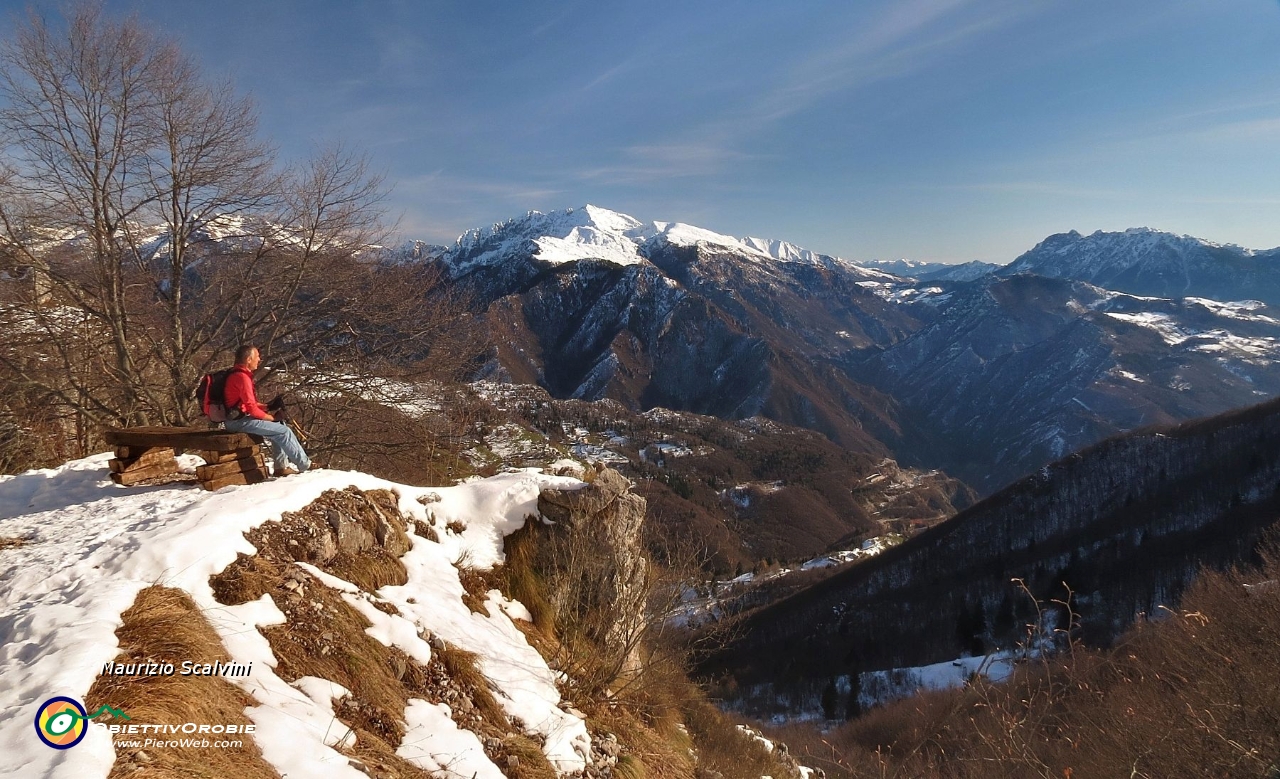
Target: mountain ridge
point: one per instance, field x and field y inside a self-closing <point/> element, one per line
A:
<point x="1144" y="261"/>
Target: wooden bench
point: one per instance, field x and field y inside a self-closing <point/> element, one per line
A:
<point x="149" y="452"/>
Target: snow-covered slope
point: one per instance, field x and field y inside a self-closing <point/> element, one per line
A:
<point x="90" y="547"/>
<point x="1073" y="255"/>
<point x="789" y="252"/>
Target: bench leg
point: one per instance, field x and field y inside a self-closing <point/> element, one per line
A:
<point x="142" y="464"/>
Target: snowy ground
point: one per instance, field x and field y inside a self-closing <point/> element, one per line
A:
<point x="704" y="604"/>
<point x="880" y="687"/>
<point x="91" y="546"/>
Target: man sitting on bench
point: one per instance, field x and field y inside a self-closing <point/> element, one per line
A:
<point x="246" y="415"/>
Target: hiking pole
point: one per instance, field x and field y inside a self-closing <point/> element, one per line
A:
<point x="280" y="409"/>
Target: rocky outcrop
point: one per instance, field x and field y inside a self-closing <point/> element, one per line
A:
<point x="595" y="546"/>
<point x="357" y="535"/>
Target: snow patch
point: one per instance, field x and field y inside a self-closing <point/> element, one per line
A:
<point x="434" y="742"/>
<point x="92" y="546"/>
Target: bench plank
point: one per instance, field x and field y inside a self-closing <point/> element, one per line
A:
<point x="180" y="438"/>
<point x="217" y="458"/>
<point x="137" y="452"/>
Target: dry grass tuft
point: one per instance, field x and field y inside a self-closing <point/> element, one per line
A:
<point x="653" y="751"/>
<point x="246" y="579"/>
<point x="521" y="581"/>
<point x="530" y="762"/>
<point x="475" y="585"/>
<point x="386" y="608"/>
<point x="426" y="531"/>
<point x="164" y="625"/>
<point x="368" y="572"/>
<point x="12" y="542"/>
<point x="630" y="768"/>
<point x="461" y="667"/>
<point x="724" y="749"/>
<point x="324" y="636"/>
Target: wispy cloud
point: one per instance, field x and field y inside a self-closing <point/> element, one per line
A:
<point x="1261" y="129"/>
<point x="1042" y="188"/>
<point x="567" y="11"/>
<point x="909" y="36"/>
<point x="652" y="162"/>
<point x="1221" y="109"/>
<point x="440" y="181"/>
<point x="610" y="74"/>
<point x="886" y="47"/>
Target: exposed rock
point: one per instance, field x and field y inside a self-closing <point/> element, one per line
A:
<point x="355" y="534"/>
<point x="351" y="538"/>
<point x="606" y="571"/>
<point x="575" y="505"/>
<point x="385" y="531"/>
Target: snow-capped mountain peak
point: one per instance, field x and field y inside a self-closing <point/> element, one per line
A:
<point x="557" y="237"/>
<point x="594" y="233"/>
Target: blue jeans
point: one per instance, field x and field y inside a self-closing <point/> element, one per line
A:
<point x="285" y="448"/>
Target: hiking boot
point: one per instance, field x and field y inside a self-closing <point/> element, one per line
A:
<point x="288" y="471"/>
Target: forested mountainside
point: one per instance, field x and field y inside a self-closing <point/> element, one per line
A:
<point x="738" y="492"/>
<point x="1125" y="524"/>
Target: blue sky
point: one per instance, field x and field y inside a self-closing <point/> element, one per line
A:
<point x="932" y="129"/>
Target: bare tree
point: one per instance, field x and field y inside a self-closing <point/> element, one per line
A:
<point x="77" y="120"/>
<point x="117" y="143"/>
<point x="208" y="167"/>
<point x="158" y="234"/>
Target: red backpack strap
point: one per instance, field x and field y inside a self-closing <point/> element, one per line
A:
<point x="202" y="392"/>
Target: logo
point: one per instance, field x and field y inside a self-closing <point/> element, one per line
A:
<point x="62" y="722"/>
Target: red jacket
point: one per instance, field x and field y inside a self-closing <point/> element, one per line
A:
<point x="240" y="396"/>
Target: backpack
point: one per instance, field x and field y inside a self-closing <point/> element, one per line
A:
<point x="212" y="395"/>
